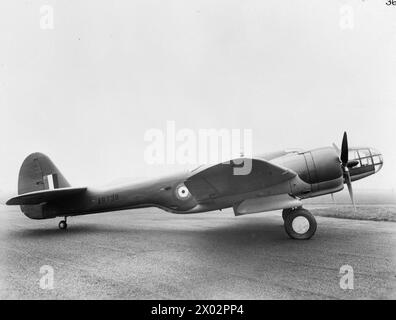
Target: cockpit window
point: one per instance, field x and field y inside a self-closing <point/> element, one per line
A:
<point x="366" y="161"/>
<point x="363" y="156"/>
<point x="353" y="155"/>
<point x="377" y="159"/>
<point x="366" y="157"/>
<point x="364" y="153"/>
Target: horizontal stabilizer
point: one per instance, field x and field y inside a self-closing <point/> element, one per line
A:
<point x="41" y="196"/>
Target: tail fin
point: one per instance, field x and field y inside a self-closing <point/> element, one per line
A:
<point x="39" y="173"/>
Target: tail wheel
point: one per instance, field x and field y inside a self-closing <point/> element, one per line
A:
<point x="63" y="225"/>
<point x="300" y="224"/>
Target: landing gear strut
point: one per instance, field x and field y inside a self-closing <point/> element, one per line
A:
<point x="63" y="224"/>
<point x="299" y="223"/>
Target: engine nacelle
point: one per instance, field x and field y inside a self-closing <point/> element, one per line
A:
<point x="320" y="169"/>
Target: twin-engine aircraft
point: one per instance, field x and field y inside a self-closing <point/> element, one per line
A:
<point x="278" y="180"/>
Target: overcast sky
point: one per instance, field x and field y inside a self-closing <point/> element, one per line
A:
<point x="86" y="91"/>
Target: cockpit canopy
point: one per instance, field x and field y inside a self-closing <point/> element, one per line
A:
<point x="366" y="158"/>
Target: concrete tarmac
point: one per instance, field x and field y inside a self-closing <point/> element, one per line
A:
<point x="151" y="254"/>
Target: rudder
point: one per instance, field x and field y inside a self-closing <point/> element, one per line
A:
<point x="38" y="172"/>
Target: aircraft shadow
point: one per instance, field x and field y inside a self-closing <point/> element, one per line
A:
<point x="73" y="230"/>
<point x="238" y="234"/>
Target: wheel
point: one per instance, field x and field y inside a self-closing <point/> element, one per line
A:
<point x="62" y="225"/>
<point x="285" y="213"/>
<point x="300" y="224"/>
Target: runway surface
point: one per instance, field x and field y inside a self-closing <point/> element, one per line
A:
<point x="151" y="254"/>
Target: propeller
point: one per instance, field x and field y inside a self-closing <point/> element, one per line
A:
<point x="345" y="164"/>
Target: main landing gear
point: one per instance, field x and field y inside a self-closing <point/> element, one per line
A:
<point x="63" y="224"/>
<point x="299" y="223"/>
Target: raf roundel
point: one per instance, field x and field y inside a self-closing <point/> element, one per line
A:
<point x="182" y="192"/>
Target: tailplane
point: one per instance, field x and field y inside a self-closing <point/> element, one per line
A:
<point x="40" y="182"/>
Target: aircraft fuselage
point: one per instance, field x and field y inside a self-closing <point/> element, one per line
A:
<point x="318" y="173"/>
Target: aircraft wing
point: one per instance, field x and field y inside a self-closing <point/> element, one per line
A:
<point x="220" y="180"/>
<point x="41" y="196"/>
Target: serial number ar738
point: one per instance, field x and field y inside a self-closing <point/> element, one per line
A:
<point x="108" y="198"/>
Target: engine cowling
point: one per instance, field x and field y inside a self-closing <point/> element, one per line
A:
<point x="320" y="169"/>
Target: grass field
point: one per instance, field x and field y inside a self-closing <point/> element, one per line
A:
<point x="372" y="205"/>
<point x="363" y="212"/>
<point x="362" y="197"/>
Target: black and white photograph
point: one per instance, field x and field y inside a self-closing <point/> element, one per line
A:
<point x="215" y="152"/>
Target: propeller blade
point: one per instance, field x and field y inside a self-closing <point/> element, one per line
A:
<point x="350" y="190"/>
<point x="346" y="165"/>
<point x="336" y="148"/>
<point x="344" y="149"/>
<point x="352" y="163"/>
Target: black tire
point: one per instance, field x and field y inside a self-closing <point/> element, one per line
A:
<point x="285" y="213"/>
<point x="62" y="225"/>
<point x="302" y="234"/>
